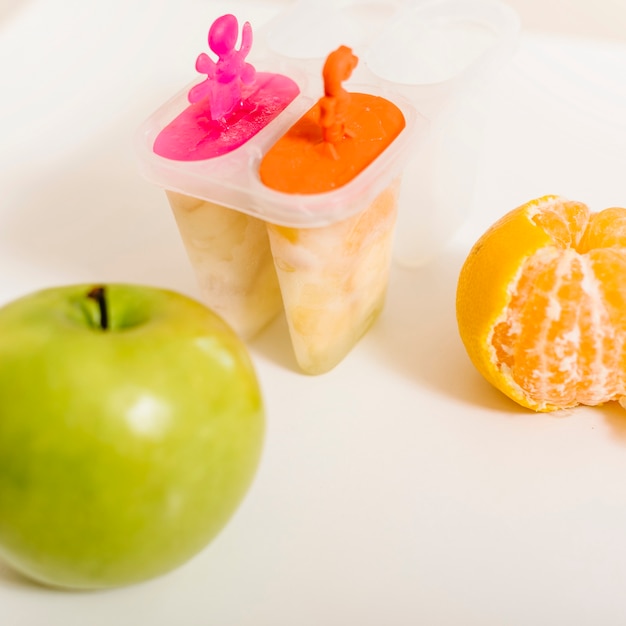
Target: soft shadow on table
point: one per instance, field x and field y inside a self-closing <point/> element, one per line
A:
<point x="274" y="344"/>
<point x="10" y="578"/>
<point x="615" y="417"/>
<point x="417" y="334"/>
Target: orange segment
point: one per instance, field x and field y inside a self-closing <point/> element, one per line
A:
<point x="607" y="229"/>
<point x="540" y="304"/>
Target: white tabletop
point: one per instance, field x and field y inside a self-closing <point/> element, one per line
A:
<point x="399" y="489"/>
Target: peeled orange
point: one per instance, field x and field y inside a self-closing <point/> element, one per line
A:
<point x="541" y="304"/>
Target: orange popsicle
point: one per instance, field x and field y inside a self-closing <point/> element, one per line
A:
<point x="333" y="279"/>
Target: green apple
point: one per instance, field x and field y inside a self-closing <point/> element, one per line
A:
<point x="131" y="426"/>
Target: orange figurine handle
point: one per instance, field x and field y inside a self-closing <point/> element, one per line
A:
<point x="335" y="103"/>
<point x="338" y="137"/>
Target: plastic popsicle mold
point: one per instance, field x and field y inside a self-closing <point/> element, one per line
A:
<point x="433" y="59"/>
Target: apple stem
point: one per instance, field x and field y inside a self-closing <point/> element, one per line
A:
<point x="98" y="294"/>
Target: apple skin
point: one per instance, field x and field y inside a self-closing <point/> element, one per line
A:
<point x="124" y="451"/>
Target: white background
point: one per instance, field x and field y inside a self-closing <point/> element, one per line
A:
<point x="399" y="489"/>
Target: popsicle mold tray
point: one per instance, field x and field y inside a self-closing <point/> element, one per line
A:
<point x="310" y="145"/>
<point x="398" y="44"/>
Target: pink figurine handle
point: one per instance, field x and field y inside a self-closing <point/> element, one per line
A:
<point x="225" y="76"/>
